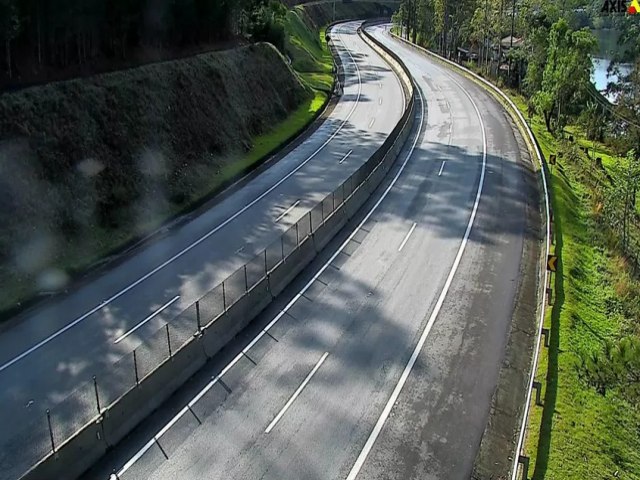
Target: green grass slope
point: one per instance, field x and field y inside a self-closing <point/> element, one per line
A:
<point x="579" y="434"/>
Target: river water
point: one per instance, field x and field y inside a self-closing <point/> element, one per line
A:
<point x="607" y="46"/>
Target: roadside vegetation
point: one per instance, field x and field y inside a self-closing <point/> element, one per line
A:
<point x="589" y="426"/>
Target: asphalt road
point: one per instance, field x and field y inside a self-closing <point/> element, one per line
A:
<point x="385" y="365"/>
<point x="60" y="345"/>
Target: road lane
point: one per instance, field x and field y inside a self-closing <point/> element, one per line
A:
<point x="38" y="370"/>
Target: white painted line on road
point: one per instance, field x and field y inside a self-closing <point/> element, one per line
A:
<point x="434" y="314"/>
<point x="346" y="156"/>
<point x="153" y="315"/>
<point x="380" y="83"/>
<point x="442" y="167"/>
<point x="282" y="215"/>
<point x="380" y="101"/>
<point x="373" y="120"/>
<point x="195" y="243"/>
<point x="322" y="269"/>
<point x="296" y="393"/>
<point x="406" y="238"/>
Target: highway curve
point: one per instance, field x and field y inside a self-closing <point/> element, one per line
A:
<point x="382" y="359"/>
<point x="62" y="344"/>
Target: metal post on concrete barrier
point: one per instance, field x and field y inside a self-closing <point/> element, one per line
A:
<point x="53" y="444"/>
<point x="224" y="299"/>
<point x="95" y="387"/>
<point x="266" y="268"/>
<point x="198" y="323"/>
<point x="322" y="210"/>
<point x="135" y="367"/>
<point x="310" y="224"/>
<point x="246" y="280"/>
<point x="282" y="247"/>
<point x="297" y="236"/>
<point x="333" y="201"/>
<point x="168" y="340"/>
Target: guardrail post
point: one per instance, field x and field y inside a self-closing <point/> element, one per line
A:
<point x="169" y="340"/>
<point x="524" y="461"/>
<point x="310" y="224"/>
<point x="246" y="281"/>
<point x="135" y="367"/>
<point x="545" y="333"/>
<point x="95" y="388"/>
<point x="53" y="444"/>
<point x="538" y="388"/>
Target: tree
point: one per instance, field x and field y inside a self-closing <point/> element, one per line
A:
<point x="615" y="367"/>
<point x="567" y="72"/>
<point x="620" y="199"/>
<point x="9" y="28"/>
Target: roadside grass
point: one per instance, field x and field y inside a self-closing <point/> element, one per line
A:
<point x="308" y="51"/>
<point x="579" y="434"/>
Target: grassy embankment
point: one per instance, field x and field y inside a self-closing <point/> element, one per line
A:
<point x="100" y="161"/>
<point x="580" y="434"/>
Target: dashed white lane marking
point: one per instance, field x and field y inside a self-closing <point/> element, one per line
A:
<point x="434" y="314"/>
<point x="380" y="101"/>
<point x="296" y="393"/>
<point x="283" y="214"/>
<point x="373" y="120"/>
<point x="406" y="238"/>
<point x="442" y="167"/>
<point x="346" y="156"/>
<point x="153" y="315"/>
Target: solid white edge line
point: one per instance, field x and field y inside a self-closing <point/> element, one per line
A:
<point x="545" y="276"/>
<point x="197" y="242"/>
<point x="296" y="393"/>
<point x="406" y="238"/>
<point x="153" y="315"/>
<point x="414" y="356"/>
<point x="346" y="156"/>
<point x="282" y="215"/>
<point x="215" y="380"/>
<point x="442" y="167"/>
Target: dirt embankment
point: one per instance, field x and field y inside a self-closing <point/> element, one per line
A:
<point x="87" y="161"/>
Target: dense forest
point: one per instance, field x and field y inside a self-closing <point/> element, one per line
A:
<point x="42" y="38"/>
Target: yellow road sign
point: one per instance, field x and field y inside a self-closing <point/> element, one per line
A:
<point x="552" y="260"/>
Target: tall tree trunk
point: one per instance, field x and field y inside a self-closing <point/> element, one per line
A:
<point x="39" y="29"/>
<point x="7" y="44"/>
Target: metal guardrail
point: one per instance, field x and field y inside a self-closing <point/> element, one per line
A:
<point x="40" y="441"/>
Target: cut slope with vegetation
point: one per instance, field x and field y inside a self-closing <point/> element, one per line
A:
<point x="88" y="164"/>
